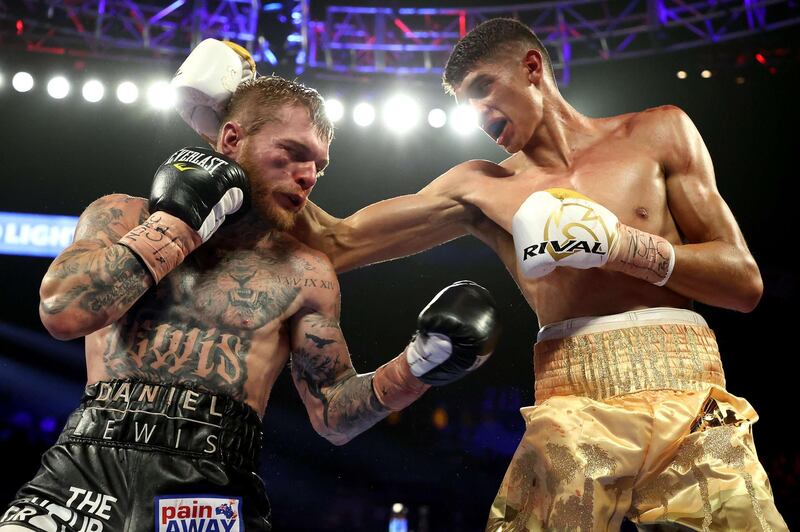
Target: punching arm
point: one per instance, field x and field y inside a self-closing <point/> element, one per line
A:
<point x="399" y="226"/>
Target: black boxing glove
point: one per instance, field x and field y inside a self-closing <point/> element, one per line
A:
<point x="192" y="193"/>
<point x="201" y="187"/>
<point x="457" y="332"/>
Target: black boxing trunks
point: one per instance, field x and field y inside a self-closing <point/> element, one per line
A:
<point x="138" y="456"/>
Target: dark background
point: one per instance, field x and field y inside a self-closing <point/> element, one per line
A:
<point x="59" y="155"/>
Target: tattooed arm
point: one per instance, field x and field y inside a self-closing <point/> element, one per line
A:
<point x="94" y="281"/>
<point x="340" y="403"/>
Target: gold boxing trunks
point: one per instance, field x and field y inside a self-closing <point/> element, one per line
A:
<point x="632" y="420"/>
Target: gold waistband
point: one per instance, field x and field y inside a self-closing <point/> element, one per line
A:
<point x="613" y="362"/>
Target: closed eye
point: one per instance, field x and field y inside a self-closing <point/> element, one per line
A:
<point x="479" y="86"/>
<point x="293" y="153"/>
<point x="482" y="88"/>
<point x="302" y="154"/>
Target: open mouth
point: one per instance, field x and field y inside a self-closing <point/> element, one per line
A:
<point x="242" y="297"/>
<point x="496" y="127"/>
<point x="293" y="201"/>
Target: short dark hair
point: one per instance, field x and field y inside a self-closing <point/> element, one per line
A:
<point x="485" y="42"/>
<point x="255" y="102"/>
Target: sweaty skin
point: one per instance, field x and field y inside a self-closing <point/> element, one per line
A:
<point x="242" y="305"/>
<point x="650" y="168"/>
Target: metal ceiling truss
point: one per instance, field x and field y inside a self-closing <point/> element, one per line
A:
<point x="379" y="39"/>
<point x="418" y="40"/>
<point x="127" y="29"/>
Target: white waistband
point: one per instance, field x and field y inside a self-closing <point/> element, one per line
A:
<point x="633" y="318"/>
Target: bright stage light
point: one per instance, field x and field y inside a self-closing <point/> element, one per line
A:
<point x="22" y="82"/>
<point x="93" y="91"/>
<point x="127" y="92"/>
<point x="682" y="74"/>
<point x="334" y="109"/>
<point x="364" y="114"/>
<point x="160" y="95"/>
<point x="437" y="118"/>
<point x="464" y="120"/>
<point x="705" y="74"/>
<point x="401" y="113"/>
<point x="58" y="87"/>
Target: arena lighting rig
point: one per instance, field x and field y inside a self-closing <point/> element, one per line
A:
<point x="397" y="112"/>
<point x="351" y="41"/>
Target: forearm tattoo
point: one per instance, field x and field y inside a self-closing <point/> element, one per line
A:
<point x="97" y="275"/>
<point x="644" y="255"/>
<point x="354" y="405"/>
<point x="98" y="281"/>
<point x="348" y="402"/>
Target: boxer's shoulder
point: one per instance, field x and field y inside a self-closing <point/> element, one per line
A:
<point x="661" y="123"/>
<point x="463" y="178"/>
<point x="314" y="275"/>
<point x="121" y="203"/>
<point x="112" y="215"/>
<point x="310" y="262"/>
<point x="669" y="135"/>
<point x="481" y="168"/>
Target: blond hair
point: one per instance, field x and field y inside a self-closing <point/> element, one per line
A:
<point x="256" y="102"/>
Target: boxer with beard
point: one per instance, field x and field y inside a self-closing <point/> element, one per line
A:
<point x="189" y="319"/>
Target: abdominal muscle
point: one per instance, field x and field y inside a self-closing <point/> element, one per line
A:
<point x="569" y="293"/>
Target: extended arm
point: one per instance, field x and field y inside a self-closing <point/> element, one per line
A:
<point x="399" y="226"/>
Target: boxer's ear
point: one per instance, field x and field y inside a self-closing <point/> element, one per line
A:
<point x="534" y="66"/>
<point x="230" y="139"/>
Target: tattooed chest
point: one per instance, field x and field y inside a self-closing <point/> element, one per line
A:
<point x="156" y="350"/>
<point x="241" y="299"/>
<point x="206" y="321"/>
<point x="235" y="292"/>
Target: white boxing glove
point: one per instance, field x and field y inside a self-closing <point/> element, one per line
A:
<point x="205" y="82"/>
<point x="560" y="227"/>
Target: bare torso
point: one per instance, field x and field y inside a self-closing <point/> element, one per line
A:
<point x="617" y="166"/>
<point x="219" y="320"/>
